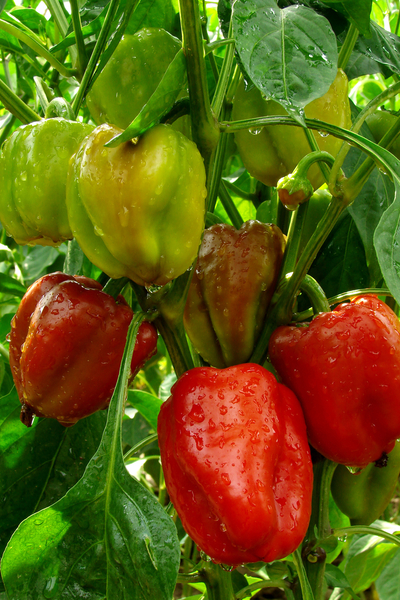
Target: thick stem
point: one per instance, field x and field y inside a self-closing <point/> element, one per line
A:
<point x="315" y="558"/>
<point x="348" y="46"/>
<point x="16" y="106"/>
<point x="281" y="308"/>
<point x="218" y="582"/>
<point x="35" y="45"/>
<point x="204" y="126"/>
<point x="98" y="49"/>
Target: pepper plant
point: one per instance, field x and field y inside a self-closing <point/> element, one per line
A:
<point x="220" y="175"/>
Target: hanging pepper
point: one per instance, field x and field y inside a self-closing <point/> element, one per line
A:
<point x="233" y="283"/>
<point x="66" y="344"/>
<point x="344" y="368"/>
<point x="236" y="463"/>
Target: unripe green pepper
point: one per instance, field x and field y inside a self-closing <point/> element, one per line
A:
<point x="33" y="176"/>
<point x="132" y="75"/>
<point x="137" y="210"/>
<point x="274" y="152"/>
<point x="233" y="283"/>
<point x="364" y="496"/>
<point x="379" y="123"/>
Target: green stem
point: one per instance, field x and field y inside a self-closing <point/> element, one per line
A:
<point x="344" y="134"/>
<point x="174" y="336"/>
<point x="168" y="304"/>
<point x="306" y="590"/>
<point x="306" y="314"/>
<point x="352" y="186"/>
<point x="140" y="445"/>
<point x="344" y="531"/>
<point x="204" y="125"/>
<point x="16" y="106"/>
<point x="371" y="107"/>
<point x="315" y="148"/>
<point x="251" y="196"/>
<point x="315" y="294"/>
<point x="260" y="585"/>
<point x="218" y="582"/>
<point x="216" y="167"/>
<point x="297" y="220"/>
<point x="114" y="287"/>
<point x="230" y="206"/>
<point x="224" y="79"/>
<point x="281" y="308"/>
<point x="4" y="353"/>
<point x="348" y="46"/>
<point x="80" y="43"/>
<point x="315" y="558"/>
<point x="37" y="47"/>
<point x="98" y="49"/>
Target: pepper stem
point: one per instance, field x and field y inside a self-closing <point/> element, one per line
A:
<point x="218" y="582"/>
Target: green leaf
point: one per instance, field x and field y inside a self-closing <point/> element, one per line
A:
<point x="107" y="537"/>
<point x="383" y="48"/>
<point x="388" y="582"/>
<point x="289" y="54"/>
<point x="39" y="464"/>
<point x="9" y="285"/>
<point x="336" y="578"/>
<point x="37" y="261"/>
<point x="369" y="206"/>
<point x="147" y="404"/>
<point x="74" y="257"/>
<point x="367" y="556"/>
<point x="387" y="244"/>
<point x="160" y="102"/>
<point x="356" y="11"/>
<point x="341" y="265"/>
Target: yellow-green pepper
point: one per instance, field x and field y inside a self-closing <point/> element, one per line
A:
<point x="275" y="151"/>
<point x="132" y="75"/>
<point x="137" y="210"/>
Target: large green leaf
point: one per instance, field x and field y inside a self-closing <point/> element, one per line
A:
<point x="108" y="537"/>
<point x="380" y="52"/>
<point x="289" y="54"/>
<point x="340" y="265"/>
<point x="39" y="464"/>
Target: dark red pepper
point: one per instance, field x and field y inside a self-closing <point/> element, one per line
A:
<point x="66" y="344"/>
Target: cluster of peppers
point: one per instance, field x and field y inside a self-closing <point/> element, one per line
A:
<point x="234" y="442"/>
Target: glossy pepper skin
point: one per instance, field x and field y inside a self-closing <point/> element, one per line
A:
<point x="275" y="151"/>
<point x="132" y="75"/>
<point x="364" y="496"/>
<point x="137" y="210"/>
<point x="345" y="370"/>
<point x="237" y="463"/>
<point x="66" y="344"/>
<point x="233" y="283"/>
<point x="379" y="123"/>
<point x="33" y="176"/>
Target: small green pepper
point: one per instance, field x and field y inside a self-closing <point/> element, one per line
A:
<point x="33" y="176"/>
<point x="364" y="496"/>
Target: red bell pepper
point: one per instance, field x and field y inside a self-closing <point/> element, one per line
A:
<point x="237" y="463"/>
<point x="66" y="344"/>
<point x="345" y="370"/>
